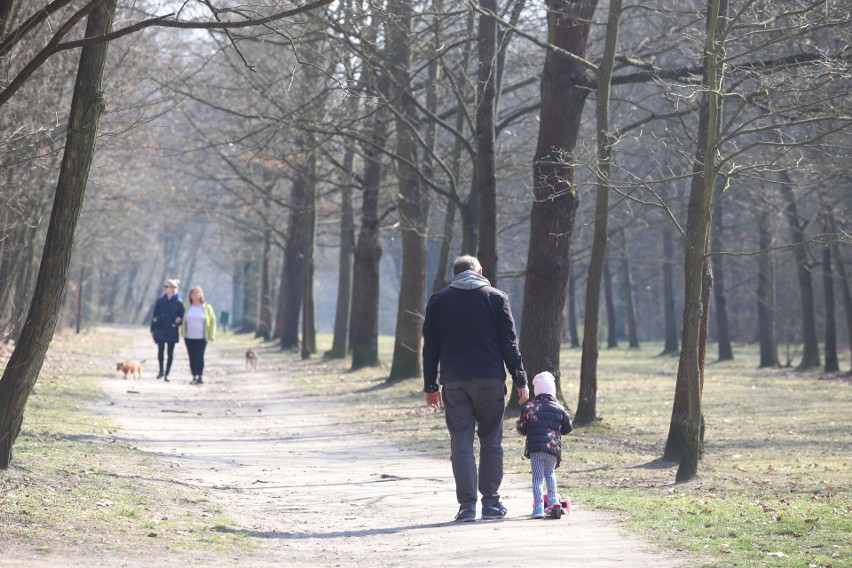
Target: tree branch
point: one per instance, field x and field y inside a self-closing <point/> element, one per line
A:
<point x="161" y="21"/>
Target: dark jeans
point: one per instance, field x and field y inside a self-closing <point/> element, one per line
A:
<point x="476" y="404"/>
<point x="195" y="349"/>
<point x="161" y="347"/>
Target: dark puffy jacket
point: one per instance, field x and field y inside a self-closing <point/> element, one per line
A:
<point x="471" y="334"/>
<point x="543" y="421"/>
<point x="163" y="325"/>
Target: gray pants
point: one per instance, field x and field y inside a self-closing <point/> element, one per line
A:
<point x="476" y="405"/>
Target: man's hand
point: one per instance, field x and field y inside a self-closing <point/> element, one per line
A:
<point x="523" y="395"/>
<point x="433" y="399"/>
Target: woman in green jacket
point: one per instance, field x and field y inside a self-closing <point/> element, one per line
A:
<point x="198" y="327"/>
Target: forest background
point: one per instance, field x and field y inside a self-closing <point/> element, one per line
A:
<point x="321" y="171"/>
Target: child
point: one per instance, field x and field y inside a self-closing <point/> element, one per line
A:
<point x="543" y="421"/>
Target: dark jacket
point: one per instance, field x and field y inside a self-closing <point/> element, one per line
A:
<point x="543" y="421"/>
<point x="163" y="325"/>
<point x="469" y="331"/>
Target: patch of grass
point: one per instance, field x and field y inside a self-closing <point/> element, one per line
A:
<point x="773" y="487"/>
<point x="70" y="480"/>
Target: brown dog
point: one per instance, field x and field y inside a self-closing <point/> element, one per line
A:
<point x="251" y="360"/>
<point x="130" y="368"/>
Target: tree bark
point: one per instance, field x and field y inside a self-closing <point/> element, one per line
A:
<point x="629" y="302"/>
<point x="831" y="363"/>
<point x="766" y="292"/>
<point x="723" y="336"/>
<point x="411" y="205"/>
<point x="441" y="279"/>
<point x="293" y="277"/>
<point x="555" y="197"/>
<point x="697" y="275"/>
<point x="309" y="327"/>
<point x="810" y="353"/>
<point x="843" y="281"/>
<point x="6" y="7"/>
<point x="587" y="404"/>
<point x="264" y="326"/>
<point x="573" y="333"/>
<point x="364" y="320"/>
<point x="456" y="207"/>
<point x="671" y="346"/>
<point x="611" y="322"/>
<point x="87" y="105"/>
<point x="340" y="343"/>
<point x="80" y="280"/>
<point x="486" y="176"/>
<point x="250" y="296"/>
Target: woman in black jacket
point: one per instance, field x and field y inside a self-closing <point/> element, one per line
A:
<point x="165" y="323"/>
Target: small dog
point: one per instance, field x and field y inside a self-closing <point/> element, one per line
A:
<point x="131" y="368"/>
<point x="251" y="360"/>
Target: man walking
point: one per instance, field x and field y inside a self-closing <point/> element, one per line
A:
<point x="470" y="332"/>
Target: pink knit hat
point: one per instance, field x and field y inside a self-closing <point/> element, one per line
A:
<point x="544" y="383"/>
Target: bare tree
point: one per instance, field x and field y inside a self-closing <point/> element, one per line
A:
<point x="587" y="405"/>
<point x="87" y="105"/>
<point x="556" y="199"/>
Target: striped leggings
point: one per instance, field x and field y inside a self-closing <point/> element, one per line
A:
<point x="543" y="467"/>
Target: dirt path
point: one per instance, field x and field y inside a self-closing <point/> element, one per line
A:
<point x="309" y="492"/>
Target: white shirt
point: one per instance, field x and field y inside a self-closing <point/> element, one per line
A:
<point x="195" y="319"/>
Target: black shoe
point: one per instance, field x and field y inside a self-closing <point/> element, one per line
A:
<point x="466" y="515"/>
<point x="497" y="511"/>
<point x="160" y="375"/>
<point x="193" y="381"/>
<point x="199" y="381"/>
<point x="166" y="378"/>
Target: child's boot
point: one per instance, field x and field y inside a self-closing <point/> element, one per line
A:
<point x="538" y="511"/>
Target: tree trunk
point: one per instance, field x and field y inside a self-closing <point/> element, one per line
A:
<point x="364" y="321"/>
<point x="264" y="327"/>
<point x="629" y="303"/>
<point x="810" y="354"/>
<point x="309" y="326"/>
<point x="573" y="333"/>
<point x="766" y="292"/>
<point x="80" y="280"/>
<point x="556" y="198"/>
<point x="442" y="279"/>
<point x="412" y="206"/>
<point x="6" y="7"/>
<point x="340" y="343"/>
<point x="696" y="267"/>
<point x="292" y="281"/>
<point x="671" y="346"/>
<point x="831" y="363"/>
<point x="726" y="352"/>
<point x="843" y="281"/>
<point x="587" y="404"/>
<point x="486" y="176"/>
<point x="469" y="216"/>
<point x="87" y="104"/>
<point x="250" y="297"/>
<point x="237" y="296"/>
<point x="611" y="323"/>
